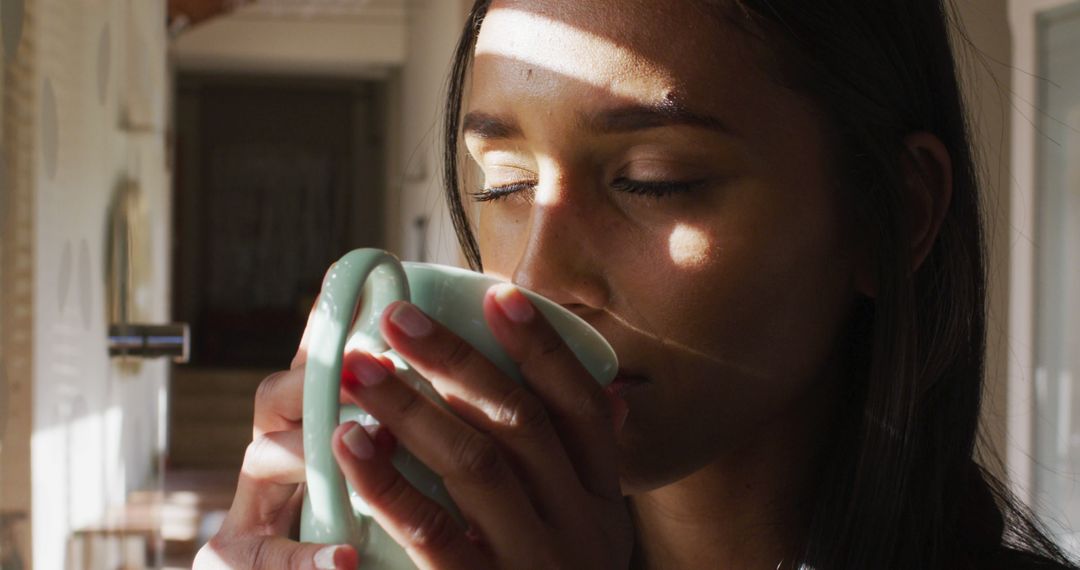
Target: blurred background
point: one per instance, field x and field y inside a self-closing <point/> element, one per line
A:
<point x="175" y="176"/>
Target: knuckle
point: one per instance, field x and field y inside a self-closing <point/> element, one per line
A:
<point x="297" y="557"/>
<point x="391" y="493"/>
<point x="425" y="525"/>
<point x="408" y="404"/>
<point x="264" y="394"/>
<point x="521" y="414"/>
<point x="476" y="458"/>
<point x="430" y="528"/>
<point x="261" y="555"/>
<point x="253" y="455"/>
<point x="549" y="345"/>
<point x="458" y="355"/>
<point x="594" y="406"/>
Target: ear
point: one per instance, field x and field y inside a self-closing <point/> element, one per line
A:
<point x="928" y="174"/>
<point x="928" y="182"/>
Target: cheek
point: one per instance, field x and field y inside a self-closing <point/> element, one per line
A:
<point x="501" y="233"/>
<point x="757" y="265"/>
<point x="770" y="294"/>
<point x="748" y="326"/>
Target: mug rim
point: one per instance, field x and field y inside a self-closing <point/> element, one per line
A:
<point x="609" y="352"/>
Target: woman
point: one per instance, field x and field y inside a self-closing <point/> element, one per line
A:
<point x="771" y="211"/>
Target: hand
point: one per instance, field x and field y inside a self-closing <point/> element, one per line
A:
<point x="532" y="468"/>
<point x="269" y="494"/>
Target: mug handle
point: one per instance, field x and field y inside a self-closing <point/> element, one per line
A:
<point x="327" y="516"/>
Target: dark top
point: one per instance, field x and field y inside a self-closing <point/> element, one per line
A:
<point x="1009" y="559"/>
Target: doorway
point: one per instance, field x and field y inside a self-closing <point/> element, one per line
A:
<point x="276" y="178"/>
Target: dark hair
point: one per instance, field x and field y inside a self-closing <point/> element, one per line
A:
<point x="899" y="487"/>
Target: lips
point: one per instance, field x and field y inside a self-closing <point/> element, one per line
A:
<point x="624" y="382"/>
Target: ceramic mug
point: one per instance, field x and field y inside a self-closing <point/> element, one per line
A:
<point x="333" y="513"/>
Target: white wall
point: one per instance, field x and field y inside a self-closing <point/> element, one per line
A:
<point x="416" y="188"/>
<point x="1043" y="399"/>
<point x="101" y="90"/>
<point x="16" y="279"/>
<point x="255" y="43"/>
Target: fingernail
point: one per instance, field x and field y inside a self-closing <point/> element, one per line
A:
<point x="359" y="442"/>
<point x="514" y="304"/>
<point x="411" y="321"/>
<point x="366" y="371"/>
<point x="324" y="558"/>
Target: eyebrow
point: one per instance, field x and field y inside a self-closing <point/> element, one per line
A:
<point x="488" y="126"/>
<point x="640" y="117"/>
<point x="627" y="118"/>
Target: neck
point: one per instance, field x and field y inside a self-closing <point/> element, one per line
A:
<point x="749" y="509"/>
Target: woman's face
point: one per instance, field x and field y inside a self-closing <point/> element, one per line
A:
<point x="650" y="176"/>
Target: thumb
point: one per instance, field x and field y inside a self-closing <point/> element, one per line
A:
<point x="274" y="553"/>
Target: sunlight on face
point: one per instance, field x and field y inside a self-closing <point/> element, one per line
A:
<point x="533" y="39"/>
<point x="546" y="195"/>
<point x="689" y="246"/>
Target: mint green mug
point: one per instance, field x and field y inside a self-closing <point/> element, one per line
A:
<point x="333" y="512"/>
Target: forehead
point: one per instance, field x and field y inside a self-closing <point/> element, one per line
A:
<point x="640" y="51"/>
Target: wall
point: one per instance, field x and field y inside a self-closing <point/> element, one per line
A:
<point x="16" y="280"/>
<point x="356" y="46"/>
<point x="96" y="88"/>
<point x="434" y="26"/>
<point x="1044" y="300"/>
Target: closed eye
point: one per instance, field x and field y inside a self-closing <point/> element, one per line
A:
<point x="498" y="192"/>
<point x="658" y="188"/>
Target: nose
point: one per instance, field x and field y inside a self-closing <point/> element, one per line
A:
<point x="562" y="255"/>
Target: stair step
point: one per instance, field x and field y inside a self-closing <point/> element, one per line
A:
<point x="210" y="417"/>
<point x="208" y="444"/>
<point x="216" y="380"/>
<point x="211" y="408"/>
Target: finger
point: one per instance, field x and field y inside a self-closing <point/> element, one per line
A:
<point x="276" y="457"/>
<point x="580" y="409"/>
<point x="477" y="476"/>
<point x="481" y="394"/>
<point x="424" y="529"/>
<point x="224" y="552"/>
<point x="273" y="466"/>
<point x="279" y="402"/>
